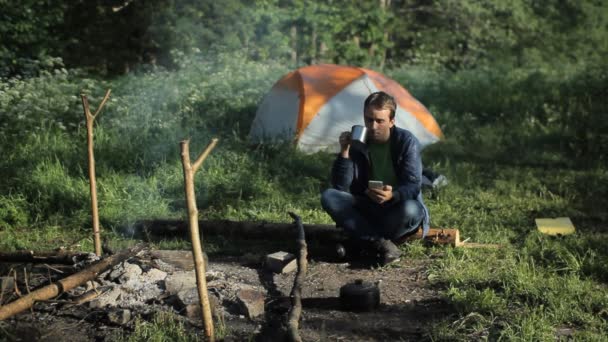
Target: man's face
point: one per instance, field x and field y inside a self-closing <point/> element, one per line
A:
<point x="379" y="124"/>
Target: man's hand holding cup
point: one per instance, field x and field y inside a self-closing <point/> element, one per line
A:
<point x="344" y="144"/>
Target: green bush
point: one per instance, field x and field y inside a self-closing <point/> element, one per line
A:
<point x="13" y="211"/>
<point x="553" y="113"/>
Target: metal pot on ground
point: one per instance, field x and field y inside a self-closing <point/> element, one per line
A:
<point x="359" y="296"/>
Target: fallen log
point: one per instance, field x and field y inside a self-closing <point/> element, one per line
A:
<point x="238" y="229"/>
<point x="30" y="256"/>
<point x="262" y="230"/>
<point x="65" y="284"/>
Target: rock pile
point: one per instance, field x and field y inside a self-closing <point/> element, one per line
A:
<point x="170" y="282"/>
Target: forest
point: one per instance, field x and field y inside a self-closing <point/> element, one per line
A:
<point x="518" y="87"/>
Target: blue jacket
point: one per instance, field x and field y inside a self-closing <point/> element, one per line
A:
<point x="352" y="175"/>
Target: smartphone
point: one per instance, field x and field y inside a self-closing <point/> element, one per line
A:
<point x="374" y="184"/>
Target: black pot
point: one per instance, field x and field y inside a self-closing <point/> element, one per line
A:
<point x="359" y="296"/>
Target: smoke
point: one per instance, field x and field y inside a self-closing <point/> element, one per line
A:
<point x="205" y="91"/>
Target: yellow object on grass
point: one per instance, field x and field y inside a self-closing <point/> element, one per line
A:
<point x="555" y="226"/>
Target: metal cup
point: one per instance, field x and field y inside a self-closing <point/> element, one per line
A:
<point x="358" y="134"/>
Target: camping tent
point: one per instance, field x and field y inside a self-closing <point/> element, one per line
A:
<point x="314" y="104"/>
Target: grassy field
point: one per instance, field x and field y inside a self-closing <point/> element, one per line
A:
<point x="513" y="152"/>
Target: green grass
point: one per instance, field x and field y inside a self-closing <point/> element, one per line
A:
<point x="508" y="162"/>
<point x="164" y="326"/>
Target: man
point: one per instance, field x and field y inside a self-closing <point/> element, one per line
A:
<point x="378" y="216"/>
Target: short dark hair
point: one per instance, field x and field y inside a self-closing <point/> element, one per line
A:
<point x="381" y="100"/>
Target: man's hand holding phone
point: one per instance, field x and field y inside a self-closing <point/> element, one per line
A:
<point x="378" y="192"/>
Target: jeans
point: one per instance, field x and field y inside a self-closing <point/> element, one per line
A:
<point x="366" y="220"/>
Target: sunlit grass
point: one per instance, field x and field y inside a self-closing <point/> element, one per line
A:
<point x="164" y="326"/>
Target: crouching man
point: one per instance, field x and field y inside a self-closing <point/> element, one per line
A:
<point x="378" y="216"/>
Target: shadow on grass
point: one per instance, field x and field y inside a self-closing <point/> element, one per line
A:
<point x="409" y="322"/>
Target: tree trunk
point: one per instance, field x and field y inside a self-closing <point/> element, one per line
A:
<point x="294" y="44"/>
<point x="323" y="52"/>
<point x="385" y="6"/>
<point x="313" y="46"/>
<point x="384" y="51"/>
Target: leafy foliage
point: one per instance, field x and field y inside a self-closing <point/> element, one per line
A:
<point x="13" y="211"/>
<point x="116" y="36"/>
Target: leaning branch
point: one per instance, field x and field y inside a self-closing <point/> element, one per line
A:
<point x="199" y="161"/>
<point x="65" y="284"/>
<point x="103" y="102"/>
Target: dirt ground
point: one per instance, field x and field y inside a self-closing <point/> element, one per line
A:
<point x="408" y="303"/>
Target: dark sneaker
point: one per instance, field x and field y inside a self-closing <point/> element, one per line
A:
<point x="340" y="251"/>
<point x="351" y="248"/>
<point x="387" y="251"/>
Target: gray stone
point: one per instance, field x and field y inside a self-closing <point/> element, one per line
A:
<point x="90" y="285"/>
<point x="290" y="266"/>
<point x="176" y="260"/>
<point x="188" y="296"/>
<point x="191" y="307"/>
<point x="179" y="281"/>
<point x="108" y="298"/>
<point x="125" y="272"/>
<point x="251" y="302"/>
<point x="193" y="311"/>
<point x="119" y="317"/>
<point x="185" y="280"/>
<point x="155" y="275"/>
<point x="281" y="262"/>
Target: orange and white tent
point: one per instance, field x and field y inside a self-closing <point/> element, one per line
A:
<point x="314" y="104"/>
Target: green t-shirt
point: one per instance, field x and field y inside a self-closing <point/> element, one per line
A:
<point x="382" y="164"/>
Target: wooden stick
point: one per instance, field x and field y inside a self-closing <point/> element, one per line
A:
<point x="89" y="296"/>
<point x="15" y="283"/>
<point x="481" y="245"/>
<point x="90" y="119"/>
<point x="439" y="236"/>
<point x="65" y="284"/>
<point x="27" y="285"/>
<point x="296" y="292"/>
<point x="54" y="269"/>
<point x="195" y="238"/>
